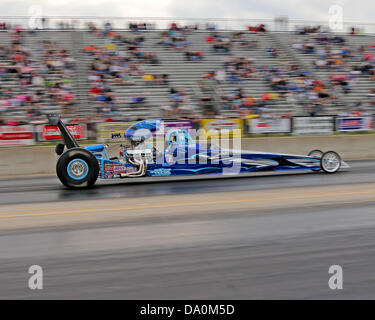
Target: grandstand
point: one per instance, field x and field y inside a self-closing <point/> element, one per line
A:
<point x="363" y="83"/>
<point x="186" y="75"/>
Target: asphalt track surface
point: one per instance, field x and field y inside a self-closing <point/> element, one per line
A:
<point x="260" y="237"/>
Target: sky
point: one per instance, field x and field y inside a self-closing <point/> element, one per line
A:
<point x="359" y="10"/>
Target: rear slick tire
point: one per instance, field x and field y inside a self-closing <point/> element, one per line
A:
<point x="77" y="168"/>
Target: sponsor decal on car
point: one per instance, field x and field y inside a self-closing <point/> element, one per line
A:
<point x="119" y="169"/>
<point x="116" y="135"/>
<point x="169" y="158"/>
<point x="108" y="167"/>
<point x="130" y="169"/>
<point x="160" y="172"/>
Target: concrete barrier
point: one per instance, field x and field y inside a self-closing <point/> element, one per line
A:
<point x="27" y="161"/>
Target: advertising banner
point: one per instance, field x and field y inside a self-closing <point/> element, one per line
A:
<point x="212" y="127"/>
<point x="47" y="132"/>
<point x="178" y="124"/>
<point x="345" y="124"/>
<point x="313" y="125"/>
<point x="269" y="125"/>
<point x="16" y="136"/>
<point x="112" y="131"/>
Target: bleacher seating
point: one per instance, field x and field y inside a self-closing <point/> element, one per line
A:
<point x="186" y="74"/>
<point x="363" y="84"/>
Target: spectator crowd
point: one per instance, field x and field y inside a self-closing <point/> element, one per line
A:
<point x="37" y="73"/>
<point x="31" y="79"/>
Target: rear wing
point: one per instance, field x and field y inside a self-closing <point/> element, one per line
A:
<point x="55" y="120"/>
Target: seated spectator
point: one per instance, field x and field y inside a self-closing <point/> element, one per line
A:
<point x="371" y="96"/>
<point x="167" y="110"/>
<point x="89" y="49"/>
<point x="148" y="79"/>
<point x="272" y="52"/>
<point x="247" y="44"/>
<point x="221" y="46"/>
<point x="165" y="78"/>
<point x="207" y="82"/>
<point x="193" y="56"/>
<point x="307" y="29"/>
<point x="260" y="28"/>
<point x="220" y="76"/>
<point x="137" y="100"/>
<point x="320" y="63"/>
<point x="210" y="27"/>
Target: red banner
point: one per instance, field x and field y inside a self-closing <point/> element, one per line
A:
<point x="48" y="132"/>
<point x="16" y="136"/>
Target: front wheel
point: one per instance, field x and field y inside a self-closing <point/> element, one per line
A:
<point x="315" y="154"/>
<point x="77" y="168"/>
<point x="330" y="162"/>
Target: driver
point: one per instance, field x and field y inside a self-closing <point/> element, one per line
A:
<point x="178" y="136"/>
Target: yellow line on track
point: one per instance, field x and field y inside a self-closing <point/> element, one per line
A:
<point x="181" y="204"/>
<point x="312" y="194"/>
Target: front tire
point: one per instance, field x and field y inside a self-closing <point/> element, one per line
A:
<point x="315" y="154"/>
<point x="330" y="162"/>
<point x="77" y="168"/>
